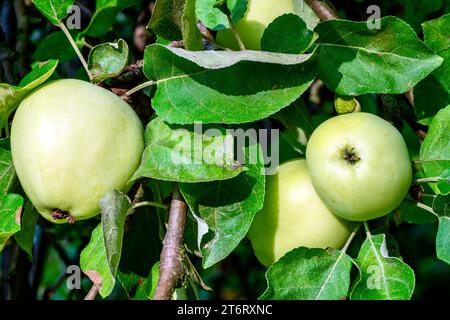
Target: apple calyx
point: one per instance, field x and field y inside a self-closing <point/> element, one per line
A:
<point x="59" y="214"/>
<point x="350" y="155"/>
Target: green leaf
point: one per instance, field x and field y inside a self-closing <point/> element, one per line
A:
<point x="444" y="182"/>
<point x="192" y="154"/>
<point x="94" y="263"/>
<point x="105" y="14"/>
<point x="441" y="206"/>
<point x="114" y="207"/>
<point x="381" y="277"/>
<point x="298" y="123"/>
<point x="354" y="60"/>
<point x="309" y="274"/>
<point x="56" y="46"/>
<point x="436" y="86"/>
<point x="443" y="239"/>
<point x="11" y="96"/>
<point x="107" y="60"/>
<point x="225" y="210"/>
<point x="222" y="86"/>
<point x="306" y="13"/>
<point x="435" y="150"/>
<point x="287" y="34"/>
<point x="25" y="236"/>
<point x="7" y="172"/>
<point x="237" y="9"/>
<point x="211" y="16"/>
<point x="166" y="20"/>
<point x="10" y="213"/>
<point x="192" y="37"/>
<point x="411" y="213"/>
<point x="139" y="288"/>
<point x="53" y="10"/>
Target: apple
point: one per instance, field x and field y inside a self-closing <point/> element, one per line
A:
<point x="359" y="165"/>
<point x="71" y="142"/>
<point x="260" y="13"/>
<point x="293" y="215"/>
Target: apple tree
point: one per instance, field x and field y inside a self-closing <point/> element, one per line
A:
<point x="147" y="147"/>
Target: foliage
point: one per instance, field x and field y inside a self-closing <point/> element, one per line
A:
<point x="186" y="89"/>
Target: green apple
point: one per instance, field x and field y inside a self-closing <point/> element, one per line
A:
<point x="359" y="165"/>
<point x="260" y="13"/>
<point x="71" y="142"/>
<point x="294" y="216"/>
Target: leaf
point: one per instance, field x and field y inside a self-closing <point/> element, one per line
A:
<point x="25" y="236"/>
<point x="287" y="34"/>
<point x="166" y="19"/>
<point x="193" y="154"/>
<point x="354" y="60"/>
<point x="222" y="86"/>
<point x="298" y="123"/>
<point x="139" y="288"/>
<point x="443" y="239"/>
<point x="441" y="206"/>
<point x="114" y="207"/>
<point x="381" y="277"/>
<point x="10" y="213"/>
<point x="211" y="16"/>
<point x="141" y="244"/>
<point x="309" y="274"/>
<point x="7" y="172"/>
<point x="306" y="13"/>
<point x="436" y="86"/>
<point x="225" y="210"/>
<point x="444" y="182"/>
<point x="11" y="96"/>
<point x="411" y="213"/>
<point x="54" y="10"/>
<point x="94" y="263"/>
<point x="237" y="9"/>
<point x="192" y="37"/>
<point x="105" y="14"/>
<point x="107" y="60"/>
<point x="435" y="150"/>
<point x="56" y="46"/>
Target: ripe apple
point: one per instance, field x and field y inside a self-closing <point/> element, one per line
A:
<point x="359" y="165"/>
<point x="260" y="13"/>
<point x="294" y="216"/>
<point x="71" y="142"/>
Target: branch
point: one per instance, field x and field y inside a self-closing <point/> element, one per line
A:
<point x="323" y="10"/>
<point x="171" y="268"/>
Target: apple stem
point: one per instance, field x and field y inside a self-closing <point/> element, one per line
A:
<point x="350" y="238"/>
<point x="366" y="227"/>
<point x="75" y="48"/>
<point x="236" y="34"/>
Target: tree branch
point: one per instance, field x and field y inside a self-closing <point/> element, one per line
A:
<point x="323" y="10"/>
<point x="171" y="268"/>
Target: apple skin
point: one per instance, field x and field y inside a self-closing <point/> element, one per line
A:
<point x="71" y="142"/>
<point x="372" y="184"/>
<point x="293" y="215"/>
<point x="260" y="13"/>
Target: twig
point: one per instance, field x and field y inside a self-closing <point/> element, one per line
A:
<point x="171" y="268"/>
<point x="93" y="292"/>
<point x="323" y="10"/>
<point x="75" y="47"/>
